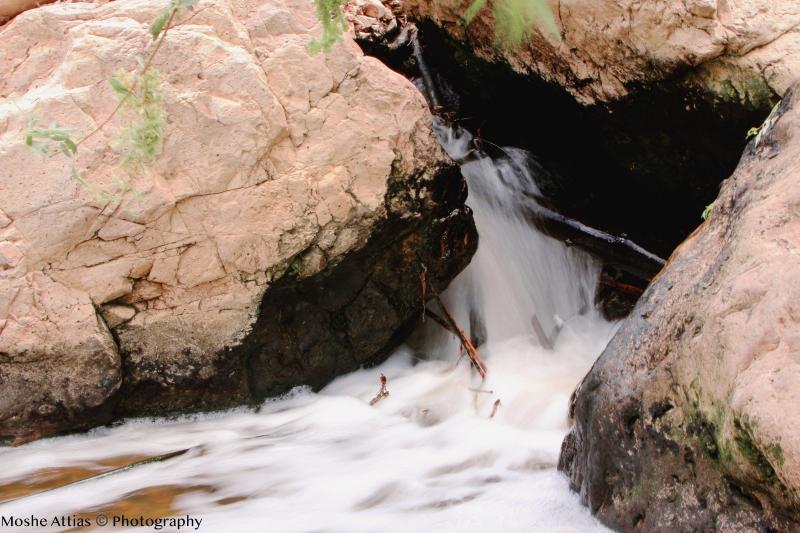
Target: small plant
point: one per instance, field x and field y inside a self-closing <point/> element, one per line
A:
<point x="140" y="141"/>
<point x="140" y="98"/>
<point x="708" y="210"/>
<point x="515" y="20"/>
<point x="48" y="141"/>
<point x="329" y="13"/>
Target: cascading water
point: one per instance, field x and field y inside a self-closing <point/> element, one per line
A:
<point x="520" y="284"/>
<point x="428" y="457"/>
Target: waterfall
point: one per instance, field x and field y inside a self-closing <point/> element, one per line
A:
<point x="429" y="457"/>
<point x="521" y="283"/>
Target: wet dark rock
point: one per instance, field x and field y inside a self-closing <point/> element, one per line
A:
<point x="688" y="420"/>
<point x="312" y="329"/>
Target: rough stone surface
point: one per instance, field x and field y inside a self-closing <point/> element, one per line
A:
<point x="11" y="8"/>
<point x="275" y="162"/>
<point x="58" y="361"/>
<point x="748" y="50"/>
<point x="688" y="421"/>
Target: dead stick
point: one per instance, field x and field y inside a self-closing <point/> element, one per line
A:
<point x="472" y="352"/>
<point x="439" y="320"/>
<point x="624" y="287"/>
<point x="461" y="353"/>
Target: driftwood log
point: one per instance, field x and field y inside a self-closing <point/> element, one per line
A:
<point x="620" y="252"/>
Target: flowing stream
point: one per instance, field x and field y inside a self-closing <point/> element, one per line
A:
<point x="428" y="458"/>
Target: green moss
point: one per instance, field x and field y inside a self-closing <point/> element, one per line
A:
<point x="729" y="83"/>
<point x="749" y="450"/>
<point x="777" y="453"/>
<point x="708" y="428"/>
<point x="643" y="491"/>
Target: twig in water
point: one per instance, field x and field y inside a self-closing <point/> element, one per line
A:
<point x="449" y="323"/>
<point x="461" y="353"/>
<point x="624" y="287"/>
<point x="439" y="320"/>
<point x="497" y="405"/>
<point x="472" y="352"/>
<point x="383" y="393"/>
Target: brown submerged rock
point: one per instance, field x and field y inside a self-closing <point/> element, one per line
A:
<point x="689" y="419"/>
<point x="281" y="171"/>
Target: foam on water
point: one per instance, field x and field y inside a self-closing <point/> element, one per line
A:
<point x="426" y="458"/>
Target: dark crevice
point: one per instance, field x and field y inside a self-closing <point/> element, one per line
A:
<point x="644" y="167"/>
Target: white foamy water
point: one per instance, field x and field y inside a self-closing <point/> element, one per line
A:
<point x="428" y="457"/>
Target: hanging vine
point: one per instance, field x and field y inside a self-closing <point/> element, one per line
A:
<point x="139" y="99"/>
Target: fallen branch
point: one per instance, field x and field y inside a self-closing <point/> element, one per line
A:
<point x="383" y="393"/>
<point x="449" y="323"/>
<point x="461" y="353"/>
<point x="624" y="287"/>
<point x="439" y="320"/>
<point x="472" y="352"/>
<point x="618" y="251"/>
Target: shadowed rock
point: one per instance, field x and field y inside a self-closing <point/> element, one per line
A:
<point x="688" y="421"/>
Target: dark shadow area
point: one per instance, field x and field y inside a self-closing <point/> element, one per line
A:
<point x="644" y="168"/>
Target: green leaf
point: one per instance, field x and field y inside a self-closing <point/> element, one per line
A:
<point x="118" y="85"/>
<point x="707" y="211"/>
<point x="71" y="146"/>
<point x="314" y="47"/>
<point x="186" y="4"/>
<point x="158" y="25"/>
<point x="516" y="20"/>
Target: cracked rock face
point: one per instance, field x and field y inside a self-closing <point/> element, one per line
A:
<point x="277" y="167"/>
<point x="747" y="50"/>
<point x="689" y="421"/>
